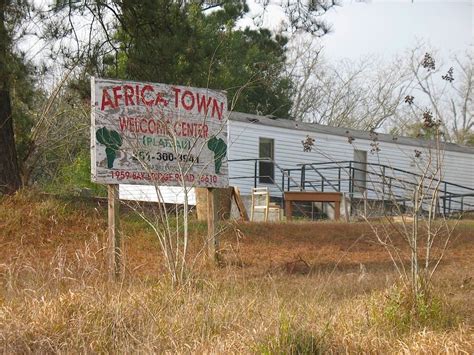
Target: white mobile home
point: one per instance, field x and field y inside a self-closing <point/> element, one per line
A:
<point x="287" y="155"/>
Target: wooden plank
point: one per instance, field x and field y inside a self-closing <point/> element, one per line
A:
<point x="240" y="204"/>
<point x="306" y="196"/>
<point x="114" y="233"/>
<point x="288" y="210"/>
<point x="212" y="239"/>
<point x="337" y="210"/>
<point x="312" y="196"/>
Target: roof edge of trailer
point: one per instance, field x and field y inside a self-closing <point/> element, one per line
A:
<point x="342" y="131"/>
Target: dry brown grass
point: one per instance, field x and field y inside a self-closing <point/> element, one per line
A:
<point x="282" y="288"/>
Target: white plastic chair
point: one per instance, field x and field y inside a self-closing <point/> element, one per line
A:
<point x="261" y="202"/>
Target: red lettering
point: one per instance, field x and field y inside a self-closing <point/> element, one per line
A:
<point x="128" y="95"/>
<point x="189" y="129"/>
<point x="187" y="105"/>
<point x="143" y="123"/>
<point x="176" y="96"/>
<point x="147" y="88"/>
<point x="203" y="105"/>
<point x="160" y="100"/>
<point x="106" y="100"/>
<point x="150" y="129"/>
<point x="123" y="123"/>
<point x="215" y="107"/>
<point x="117" y="95"/>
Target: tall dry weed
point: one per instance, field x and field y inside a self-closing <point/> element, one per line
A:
<point x="54" y="296"/>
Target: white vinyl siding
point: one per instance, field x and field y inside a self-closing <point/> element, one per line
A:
<point x="458" y="167"/>
<point x="243" y="142"/>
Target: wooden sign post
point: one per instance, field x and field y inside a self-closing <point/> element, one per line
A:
<point x="114" y="233"/>
<point x="136" y="128"/>
<point x="212" y="239"/>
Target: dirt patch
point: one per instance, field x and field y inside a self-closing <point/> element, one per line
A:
<point x="41" y="225"/>
<point x="328" y="246"/>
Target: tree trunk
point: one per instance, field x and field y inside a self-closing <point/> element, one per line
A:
<point x="9" y="170"/>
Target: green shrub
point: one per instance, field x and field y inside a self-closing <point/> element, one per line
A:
<point x="400" y="310"/>
<point x="76" y="178"/>
<point x="291" y="339"/>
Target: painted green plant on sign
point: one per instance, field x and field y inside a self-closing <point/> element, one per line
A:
<point x="112" y="141"/>
<point x="218" y="146"/>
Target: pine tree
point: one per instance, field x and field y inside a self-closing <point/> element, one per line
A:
<point x="9" y="170"/>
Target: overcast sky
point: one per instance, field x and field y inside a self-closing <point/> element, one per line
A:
<point x="375" y="27"/>
<point x="385" y="28"/>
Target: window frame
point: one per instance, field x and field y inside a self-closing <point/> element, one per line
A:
<point x="266" y="169"/>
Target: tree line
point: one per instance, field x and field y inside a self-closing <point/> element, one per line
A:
<point x="44" y="104"/>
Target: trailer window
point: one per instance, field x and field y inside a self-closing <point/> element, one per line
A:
<point x="266" y="169"/>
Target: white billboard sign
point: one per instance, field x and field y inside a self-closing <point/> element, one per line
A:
<point x="146" y="133"/>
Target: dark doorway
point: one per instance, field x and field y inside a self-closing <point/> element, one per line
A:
<point x="266" y="169"/>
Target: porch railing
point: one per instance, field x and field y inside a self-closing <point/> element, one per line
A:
<point x="372" y="180"/>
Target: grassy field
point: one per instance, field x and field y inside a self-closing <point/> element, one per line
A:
<point x="280" y="288"/>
